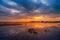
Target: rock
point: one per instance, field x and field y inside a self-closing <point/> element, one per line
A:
<point x="31" y="30"/>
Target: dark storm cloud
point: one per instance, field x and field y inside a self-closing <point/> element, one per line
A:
<point x="29" y="7"/>
<point x="55" y="5"/>
<point x="30" y="4"/>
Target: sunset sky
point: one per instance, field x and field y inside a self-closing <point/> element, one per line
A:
<point x="27" y="10"/>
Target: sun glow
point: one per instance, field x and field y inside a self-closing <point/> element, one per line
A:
<point x="38" y="18"/>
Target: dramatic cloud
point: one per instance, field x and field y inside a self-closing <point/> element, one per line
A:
<point x="23" y="8"/>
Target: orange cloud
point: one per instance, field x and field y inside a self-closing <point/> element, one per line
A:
<point x="33" y="18"/>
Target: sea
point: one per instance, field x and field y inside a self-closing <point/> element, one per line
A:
<point x="30" y="31"/>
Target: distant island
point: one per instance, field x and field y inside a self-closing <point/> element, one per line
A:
<point x="30" y="22"/>
<point x="20" y="23"/>
<point x="45" y="21"/>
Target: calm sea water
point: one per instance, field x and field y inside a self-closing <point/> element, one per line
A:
<point x="44" y="31"/>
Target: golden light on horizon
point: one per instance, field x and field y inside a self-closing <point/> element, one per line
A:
<point x="38" y="18"/>
<point x="32" y="18"/>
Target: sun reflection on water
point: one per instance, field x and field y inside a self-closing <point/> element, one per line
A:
<point x="40" y="25"/>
